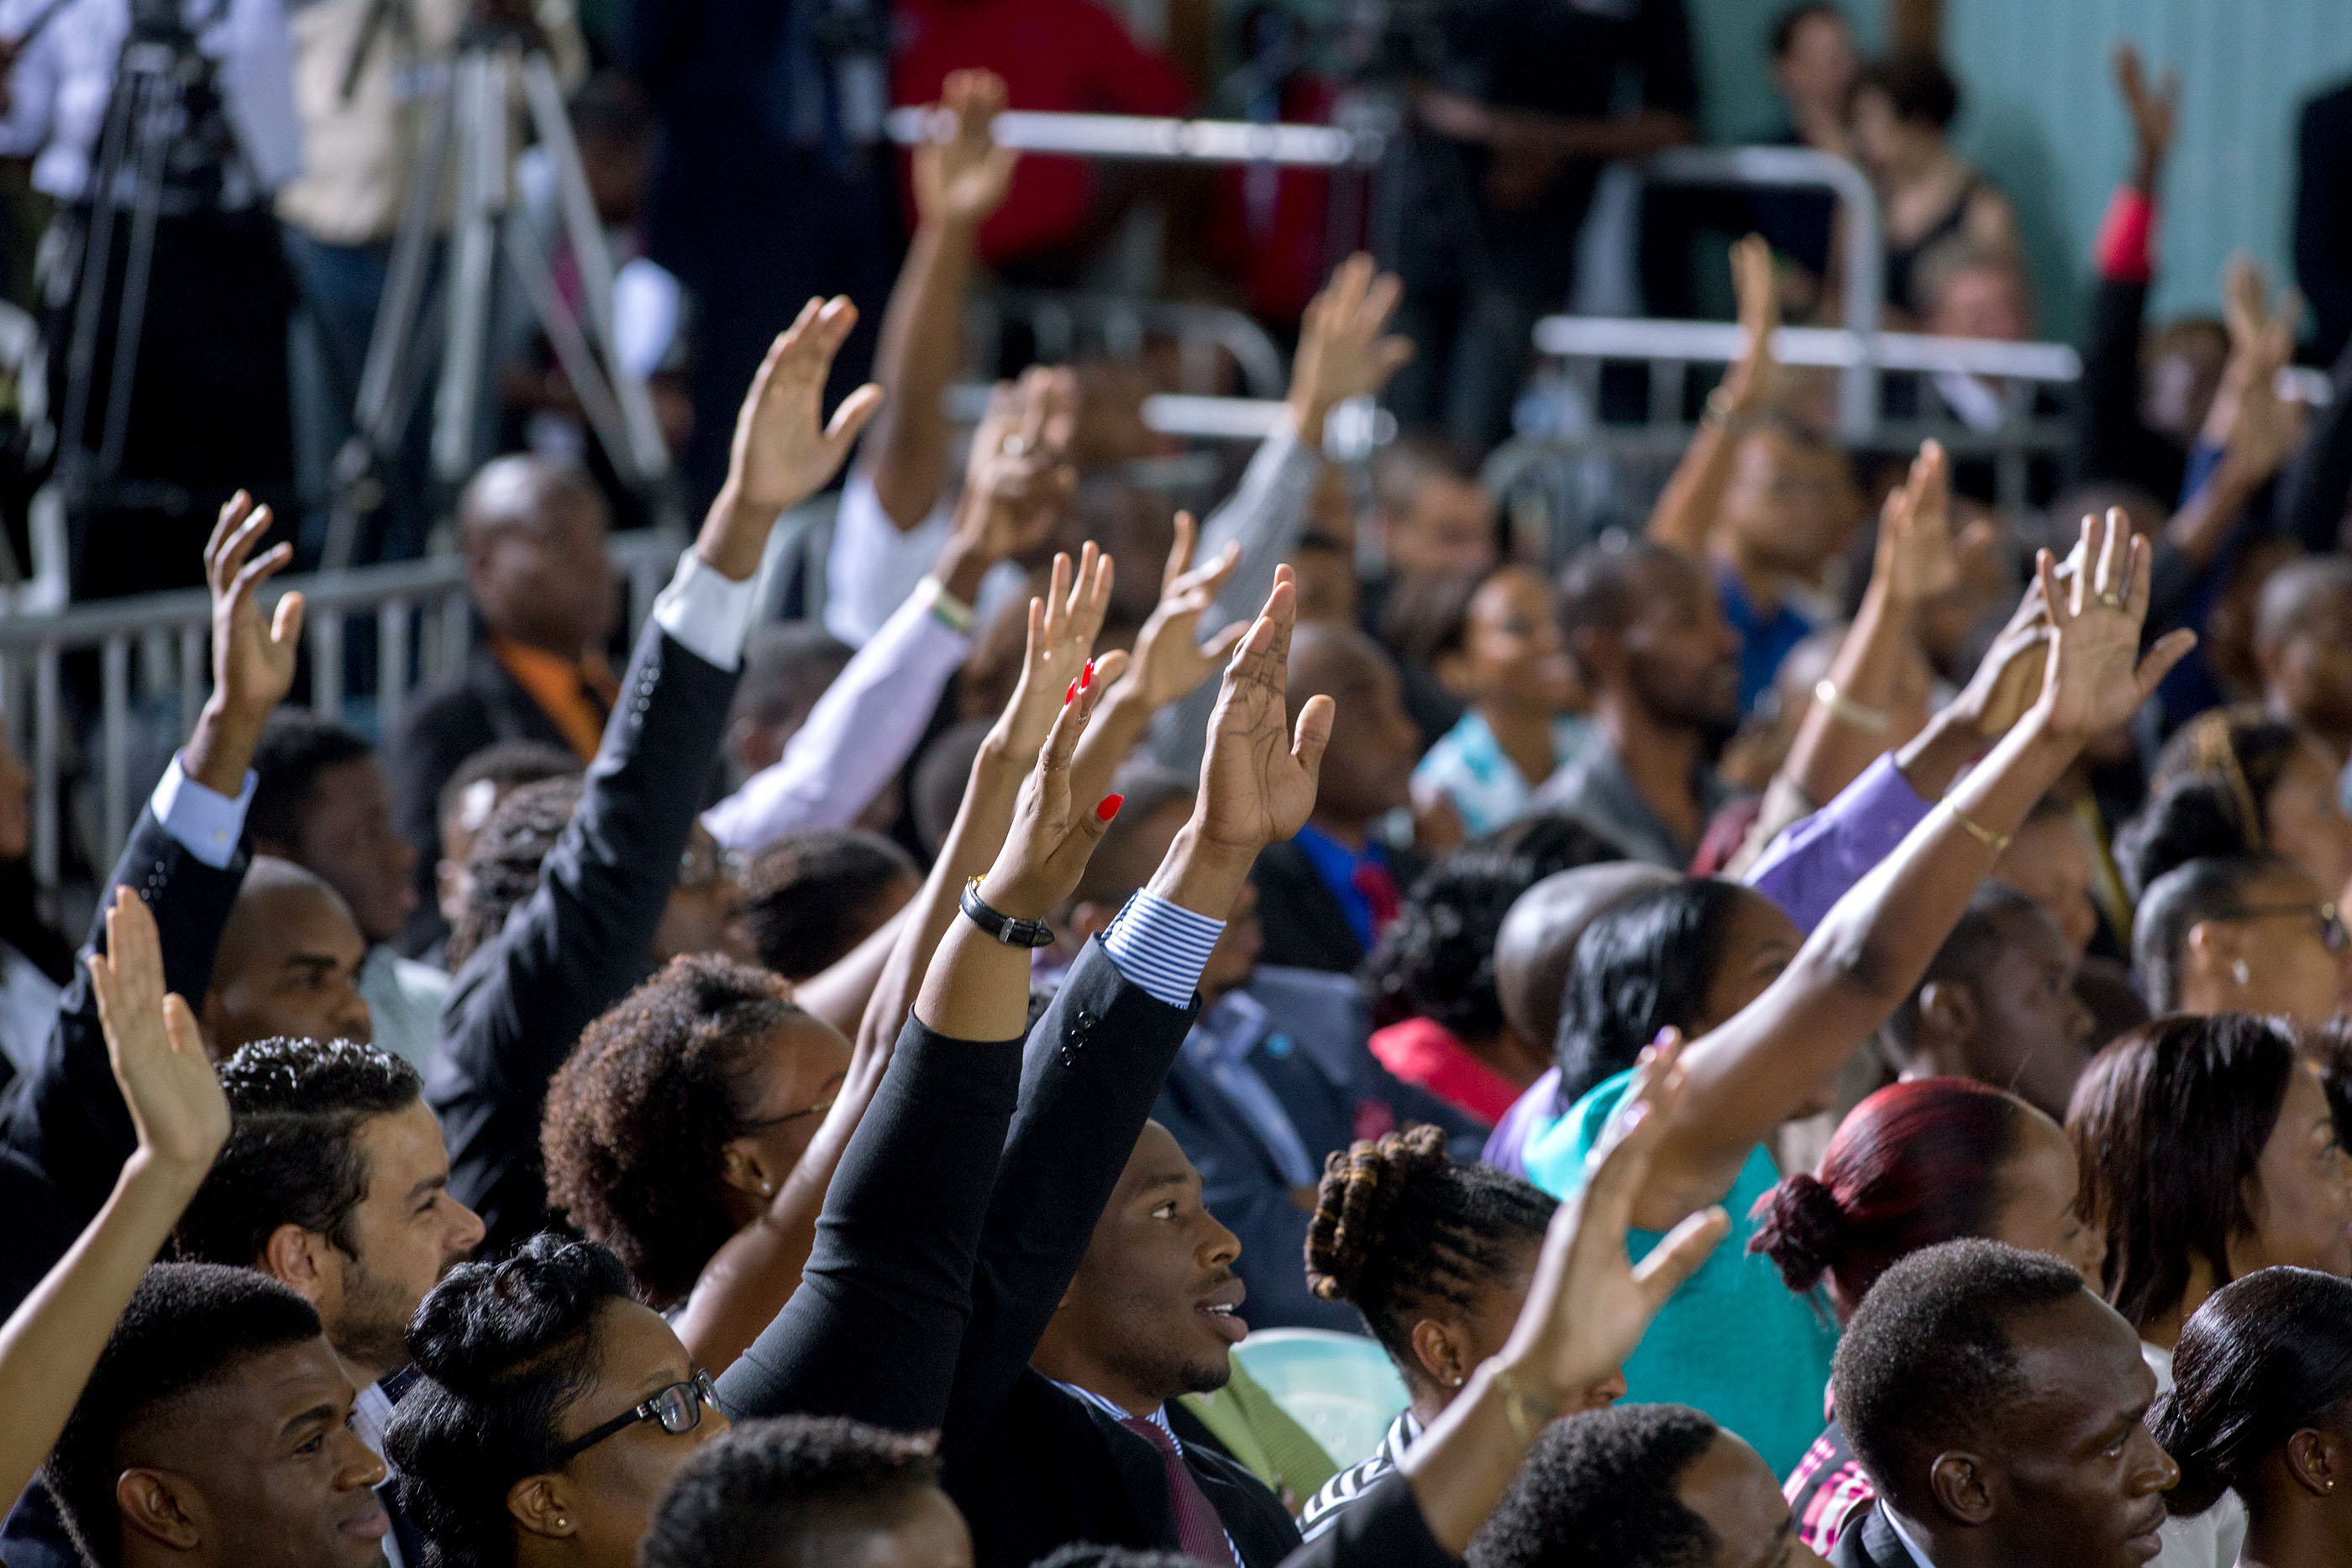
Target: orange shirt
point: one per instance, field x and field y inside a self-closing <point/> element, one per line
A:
<point x="577" y="693"/>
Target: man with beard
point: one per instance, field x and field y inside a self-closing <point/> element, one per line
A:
<point x="1647" y="631"/>
<point x="1324" y="897"/>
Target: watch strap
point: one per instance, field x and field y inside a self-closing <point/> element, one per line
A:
<point x="1006" y="929"/>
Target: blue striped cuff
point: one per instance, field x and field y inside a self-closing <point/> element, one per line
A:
<point x="1161" y="947"/>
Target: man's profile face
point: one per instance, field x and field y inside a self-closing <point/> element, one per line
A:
<point x="406" y="1233"/>
<point x="2078" y="1481"/>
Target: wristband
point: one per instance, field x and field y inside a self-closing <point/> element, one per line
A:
<point x="952" y="613"/>
<point x="1872" y="720"/>
<point x="1012" y="933"/>
<point x="1994" y="841"/>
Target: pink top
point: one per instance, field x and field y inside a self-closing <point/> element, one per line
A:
<point x="1426" y="1054"/>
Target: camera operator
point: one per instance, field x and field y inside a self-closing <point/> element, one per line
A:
<point x="360" y="68"/>
<point x="207" y="412"/>
<point x="1514" y="118"/>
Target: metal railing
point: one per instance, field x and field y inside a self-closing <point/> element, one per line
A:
<point x="1065" y="327"/>
<point x="418" y="612"/>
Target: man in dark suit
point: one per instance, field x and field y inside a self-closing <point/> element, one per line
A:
<point x="1325" y="893"/>
<point x="187" y="858"/>
<point x="533" y="536"/>
<point x="2000" y="1408"/>
<point x="1276" y="1075"/>
<point x="585" y="934"/>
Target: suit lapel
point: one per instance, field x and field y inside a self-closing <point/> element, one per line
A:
<point x="1143" y="1477"/>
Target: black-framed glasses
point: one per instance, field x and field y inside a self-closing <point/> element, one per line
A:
<point x="2332" y="934"/>
<point x="678" y="1408"/>
<point x="704" y="863"/>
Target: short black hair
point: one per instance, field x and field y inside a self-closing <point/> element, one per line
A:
<point x="757" y="1496"/>
<point x="295" y="747"/>
<point x="1399" y="1224"/>
<point x="505" y="765"/>
<point x="2175" y="904"/>
<point x="1642" y="966"/>
<point x="1916" y="85"/>
<point x="1401" y="467"/>
<point x="502" y="1351"/>
<point x="292" y="1155"/>
<point x="1551" y="843"/>
<point x="1599" y="587"/>
<point x="2168" y="1122"/>
<point x="1969" y="953"/>
<point x="187" y="1326"/>
<point x="503" y="869"/>
<point x="2264" y="1357"/>
<point x="1602" y="1491"/>
<point x="1783" y="37"/>
<point x="1436" y="959"/>
<point x="1428" y="616"/>
<point x="1113" y="874"/>
<point x="787" y="665"/>
<point x="638" y="1115"/>
<point x="1927" y="1362"/>
<point x="809" y="897"/>
<point x="2210" y="794"/>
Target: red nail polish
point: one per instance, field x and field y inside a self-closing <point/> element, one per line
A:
<point x="1087" y="676"/>
<point x="1109" y="807"/>
<point x="1071" y="695"/>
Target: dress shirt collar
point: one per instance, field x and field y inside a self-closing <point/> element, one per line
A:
<point x="1894" y="1521"/>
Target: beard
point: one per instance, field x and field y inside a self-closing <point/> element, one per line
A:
<point x="371" y="1329"/>
<point x="1693" y="705"/>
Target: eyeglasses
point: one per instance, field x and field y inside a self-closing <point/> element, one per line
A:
<point x="2332" y="934"/>
<point x="678" y="1408"/>
<point x="705" y="862"/>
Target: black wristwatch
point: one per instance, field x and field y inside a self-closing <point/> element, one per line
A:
<point x="1003" y="927"/>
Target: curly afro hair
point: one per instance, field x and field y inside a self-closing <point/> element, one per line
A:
<point x="638" y="1114"/>
<point x="768" y="1493"/>
<point x="1436" y="959"/>
<point x="1399" y="1224"/>
<point x="1600" y="1491"/>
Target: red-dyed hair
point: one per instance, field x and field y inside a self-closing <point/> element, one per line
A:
<point x="1913" y="1165"/>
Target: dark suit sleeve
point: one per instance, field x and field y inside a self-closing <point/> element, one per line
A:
<point x="2111" y="443"/>
<point x="1089" y="1074"/>
<point x="430" y="748"/>
<point x="577" y="945"/>
<point x="2314" y="488"/>
<point x="873" y="1330"/>
<point x="1381" y="1529"/>
<point x="2322" y="217"/>
<point x="65" y="1115"/>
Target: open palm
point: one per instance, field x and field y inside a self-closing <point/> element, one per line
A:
<point x="965" y="178"/>
<point x="1168" y="663"/>
<point x="253" y="660"/>
<point x="158" y="1056"/>
<point x="2095" y="677"/>
<point x="1258" y="784"/>
<point x="784" y="451"/>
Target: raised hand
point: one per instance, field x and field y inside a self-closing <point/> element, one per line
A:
<point x="1053" y="835"/>
<point x="1914" y="537"/>
<point x="1018" y="480"/>
<point x="1057" y="659"/>
<point x="1258" y="782"/>
<point x="963" y="180"/>
<point x="784" y="451"/>
<point x="2154" y="111"/>
<point x="2009" y="677"/>
<point x="152" y="1042"/>
<point x="1168" y="663"/>
<point x="1749" y="384"/>
<point x="1588" y="1305"/>
<point x="253" y="661"/>
<point x="2095" y="677"/>
<point x="1342" y="352"/>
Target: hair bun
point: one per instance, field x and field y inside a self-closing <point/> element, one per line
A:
<point x="1800" y="1227"/>
<point x="1360" y="1192"/>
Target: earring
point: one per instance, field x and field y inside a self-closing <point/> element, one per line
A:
<point x="562" y="1521"/>
<point x="2237" y="971"/>
<point x="2329" y="1487"/>
<point x="1457" y="1380"/>
<point x="768" y="1188"/>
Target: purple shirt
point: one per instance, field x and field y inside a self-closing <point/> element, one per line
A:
<point x="1808" y="869"/>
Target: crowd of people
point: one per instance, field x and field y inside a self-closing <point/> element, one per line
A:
<point x="1814" y="1032"/>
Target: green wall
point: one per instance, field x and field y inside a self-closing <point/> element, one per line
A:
<point x="2042" y="116"/>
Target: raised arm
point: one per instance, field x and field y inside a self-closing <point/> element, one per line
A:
<point x="957" y="184"/>
<point x="1780" y="1052"/>
<point x="2112" y="440"/>
<point x="582" y="938"/>
<point x="1684" y="515"/>
<point x="51" y="1341"/>
<point x="1169" y="665"/>
<point x="875" y="1329"/>
<point x="1095" y="1061"/>
<point x="2250" y="426"/>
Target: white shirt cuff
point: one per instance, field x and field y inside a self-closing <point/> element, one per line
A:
<point x="707" y="615"/>
<point x="207" y="822"/>
<point x="1162" y="947"/>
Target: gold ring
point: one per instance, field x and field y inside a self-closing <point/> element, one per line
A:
<point x="2112" y="601"/>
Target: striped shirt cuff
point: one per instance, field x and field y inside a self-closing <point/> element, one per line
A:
<point x="1161" y="947"/>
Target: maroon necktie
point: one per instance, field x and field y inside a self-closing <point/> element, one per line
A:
<point x="1198" y="1529"/>
<point x="1380" y="890"/>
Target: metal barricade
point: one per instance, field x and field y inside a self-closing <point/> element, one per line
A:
<point x="418" y="612"/>
<point x="1067" y="327"/>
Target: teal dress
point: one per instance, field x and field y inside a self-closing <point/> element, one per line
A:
<point x="1734" y="1341"/>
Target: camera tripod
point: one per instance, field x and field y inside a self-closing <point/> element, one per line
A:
<point x="467" y="139"/>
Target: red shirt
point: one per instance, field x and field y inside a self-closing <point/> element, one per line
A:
<point x="1068" y="56"/>
<point x="1425" y="1053"/>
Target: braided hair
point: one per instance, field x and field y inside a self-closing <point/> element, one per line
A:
<point x="1400" y="1226"/>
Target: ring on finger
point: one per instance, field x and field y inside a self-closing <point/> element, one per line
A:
<point x="1015" y="445"/>
<point x="2111" y="599"/>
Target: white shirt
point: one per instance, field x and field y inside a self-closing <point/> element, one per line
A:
<point x="2208" y="1540"/>
<point x="60" y="88"/>
<point x="874" y="564"/>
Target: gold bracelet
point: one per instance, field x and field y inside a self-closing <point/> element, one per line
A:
<point x="1994" y="841"/>
<point x="1873" y="720"/>
<point x="1528" y="1416"/>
